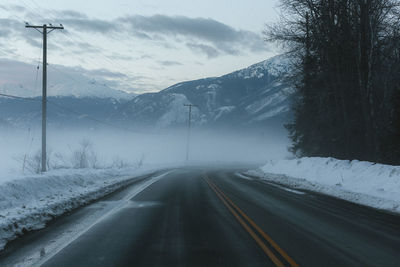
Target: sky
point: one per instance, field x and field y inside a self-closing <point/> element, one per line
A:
<point x="134" y="45"/>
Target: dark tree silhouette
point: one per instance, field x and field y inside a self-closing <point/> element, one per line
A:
<point x="348" y="68"/>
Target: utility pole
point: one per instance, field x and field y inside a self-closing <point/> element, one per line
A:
<point x="44" y="30"/>
<point x="189" y="126"/>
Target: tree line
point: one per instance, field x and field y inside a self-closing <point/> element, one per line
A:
<point x="347" y="60"/>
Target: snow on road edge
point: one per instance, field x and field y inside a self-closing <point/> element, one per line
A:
<point x="30" y="202"/>
<point x="366" y="183"/>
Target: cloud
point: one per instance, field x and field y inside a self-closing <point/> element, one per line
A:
<point x="201" y="28"/>
<point x="5" y="32"/>
<point x="116" y="37"/>
<point x="214" y="36"/>
<point x="8" y="26"/>
<point x="14" y="29"/>
<point x="210" y="51"/>
<point x="17" y="73"/>
<point x="145" y="57"/>
<point x="119" y="56"/>
<point x="16" y="8"/>
<point x="33" y="42"/>
<point x="89" y="25"/>
<point x="72" y="14"/>
<point x="201" y="35"/>
<point x="104" y="73"/>
<point x="168" y="63"/>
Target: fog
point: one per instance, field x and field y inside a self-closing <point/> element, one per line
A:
<point x="117" y="148"/>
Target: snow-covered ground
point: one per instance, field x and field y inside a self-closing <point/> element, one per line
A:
<point x="28" y="202"/>
<point x="366" y="183"/>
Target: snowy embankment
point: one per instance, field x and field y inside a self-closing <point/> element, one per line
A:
<point x="28" y="202"/>
<point x="366" y="183"/>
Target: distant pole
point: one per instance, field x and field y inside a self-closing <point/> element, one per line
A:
<point x="189" y="126"/>
<point x="44" y="30"/>
<point x="44" y="99"/>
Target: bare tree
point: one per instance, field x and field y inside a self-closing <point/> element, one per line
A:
<point x="81" y="156"/>
<point x="348" y="54"/>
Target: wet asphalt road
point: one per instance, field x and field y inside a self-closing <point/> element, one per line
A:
<point x="200" y="217"/>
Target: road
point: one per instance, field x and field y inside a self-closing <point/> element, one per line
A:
<point x="205" y="217"/>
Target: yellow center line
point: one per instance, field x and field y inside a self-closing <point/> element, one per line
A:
<point x="266" y="250"/>
<point x="255" y="226"/>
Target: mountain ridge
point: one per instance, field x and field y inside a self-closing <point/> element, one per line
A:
<point x="256" y="96"/>
<point x="244" y="97"/>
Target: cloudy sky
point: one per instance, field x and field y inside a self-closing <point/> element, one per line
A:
<point x="137" y="45"/>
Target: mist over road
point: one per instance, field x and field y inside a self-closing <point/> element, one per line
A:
<point x="210" y="217"/>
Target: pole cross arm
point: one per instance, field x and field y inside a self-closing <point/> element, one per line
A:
<point x="55" y="27"/>
<point x="45" y="26"/>
<point x="49" y="28"/>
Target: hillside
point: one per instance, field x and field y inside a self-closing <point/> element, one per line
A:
<point x="257" y="96"/>
<point x="248" y="97"/>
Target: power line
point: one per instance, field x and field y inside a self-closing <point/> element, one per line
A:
<point x="86" y="116"/>
<point x="20" y="97"/>
<point x="80" y="114"/>
<point x="106" y="58"/>
<point x="34" y="10"/>
<point x="72" y="39"/>
<point x="53" y="14"/>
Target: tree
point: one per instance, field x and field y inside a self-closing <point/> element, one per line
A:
<point x="348" y="68"/>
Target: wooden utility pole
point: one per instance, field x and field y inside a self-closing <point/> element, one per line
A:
<point x="189" y="126"/>
<point x="44" y="30"/>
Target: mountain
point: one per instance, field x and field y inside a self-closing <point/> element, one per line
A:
<point x="68" y="82"/>
<point x="62" y="111"/>
<point x="74" y="100"/>
<point x="88" y="88"/>
<point x="254" y="96"/>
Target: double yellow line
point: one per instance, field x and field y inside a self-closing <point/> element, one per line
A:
<point x="249" y="225"/>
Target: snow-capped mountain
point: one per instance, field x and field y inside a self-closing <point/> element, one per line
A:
<point x="89" y="88"/>
<point x="70" y="88"/>
<point x="61" y="81"/>
<point x="73" y="97"/>
<point x="250" y="96"/>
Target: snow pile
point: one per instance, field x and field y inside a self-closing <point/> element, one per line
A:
<point x="28" y="202"/>
<point x="366" y="183"/>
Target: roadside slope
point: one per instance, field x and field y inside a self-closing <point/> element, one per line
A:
<point x="30" y="202"/>
<point x="366" y="183"/>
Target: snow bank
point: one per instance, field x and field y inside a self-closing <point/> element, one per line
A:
<point x="28" y="202"/>
<point x="366" y="183"/>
